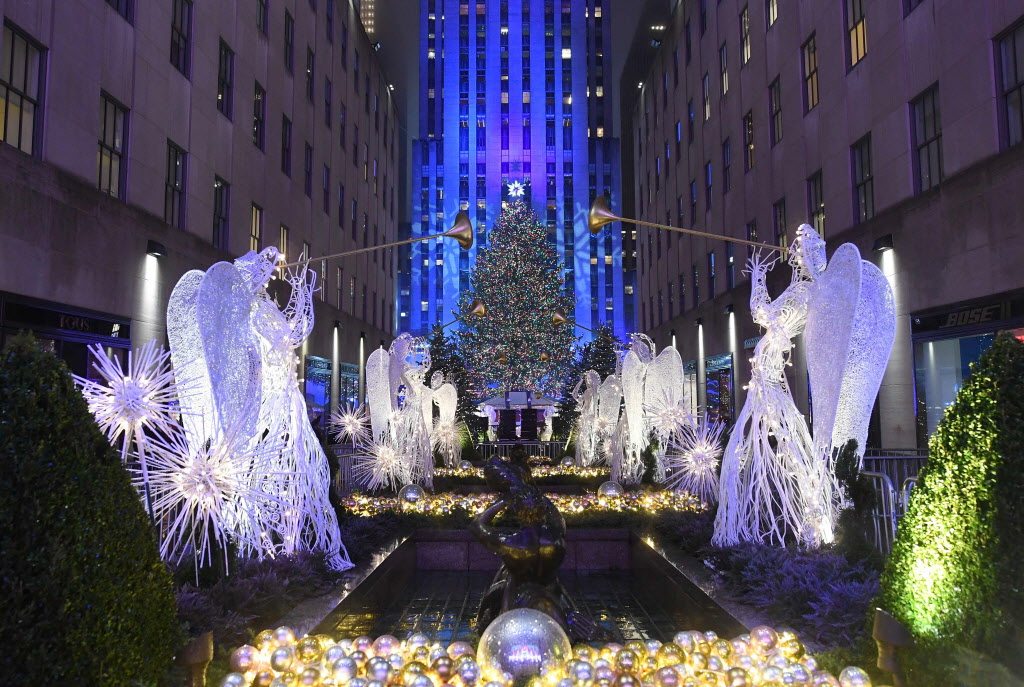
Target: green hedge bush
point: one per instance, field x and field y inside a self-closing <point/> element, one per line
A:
<point x="87" y="600"/>
<point x="954" y="578"/>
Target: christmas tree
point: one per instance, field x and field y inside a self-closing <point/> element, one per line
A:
<point x="518" y="276"/>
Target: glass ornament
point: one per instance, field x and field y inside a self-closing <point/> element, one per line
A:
<point x="604" y="672"/>
<point x="308" y="650"/>
<point x="584" y="652"/>
<point x="344" y="669"/>
<point x="416" y="639"/>
<point x="519" y="641"/>
<point x="243" y="659"/>
<point x="469" y="673"/>
<point x="264" y="677"/>
<point x="421" y="680"/>
<point x="333" y="653"/>
<point x="282" y="659"/>
<point x="444" y="667"/>
<point x="567" y="462"/>
<point x="375" y="683"/>
<point x="284" y="636"/>
<point x="234" y="680"/>
<point x="460" y="648"/>
<point x="378" y="668"/>
<point x="465" y="465"/>
<point x="396" y="661"/>
<point x="362" y="643"/>
<point x="854" y="677"/>
<point x="763" y="639"/>
<point x="626" y="680"/>
<point x="264" y="640"/>
<point x="738" y="677"/>
<point x="359" y="657"/>
<point x="626" y="661"/>
<point x="310" y="677"/>
<point x="610" y="489"/>
<point x="666" y="677"/>
<point x="385" y="645"/>
<point x="357" y="682"/>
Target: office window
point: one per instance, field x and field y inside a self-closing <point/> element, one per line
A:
<point x="286" y="145"/>
<point x="225" y="80"/>
<point x="122" y="7"/>
<point x="21" y="87"/>
<point x="259" y="116"/>
<point x="328" y="96"/>
<point x="863" y="184"/>
<point x="341" y="205"/>
<point x="707" y="186"/>
<point x="816" y="203"/>
<point x="730" y="266"/>
<point x="771" y="12"/>
<point x="307" y="169"/>
<point x="327" y="190"/>
<point x="775" y="110"/>
<point x="1011" y="82"/>
<point x="690" y="121"/>
<point x="181" y="35"/>
<point x="779" y="222"/>
<point x="255" y="228"/>
<point x="810" y="66"/>
<point x="221" y="209"/>
<point x="751" y="236"/>
<point x="113" y="119"/>
<point x="703" y="16"/>
<point x="262" y="16"/>
<point x="693" y="202"/>
<point x="329" y="14"/>
<point x="695" y="291"/>
<point x="310" y="73"/>
<point x="711" y="275"/>
<point x="856" y="31"/>
<point x="289" y="41"/>
<point x="341" y="125"/>
<point x="726" y="166"/>
<point x="339" y="285"/>
<point x="723" y="63"/>
<point x="926" y="130"/>
<point x="748" y="141"/>
<point x="707" y="97"/>
<point x="744" y="35"/>
<point x="174" y="186"/>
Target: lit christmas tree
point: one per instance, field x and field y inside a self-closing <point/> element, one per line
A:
<point x="518" y="276"/>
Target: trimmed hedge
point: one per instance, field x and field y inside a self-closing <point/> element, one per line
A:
<point x="87" y="599"/>
<point x="955" y="579"/>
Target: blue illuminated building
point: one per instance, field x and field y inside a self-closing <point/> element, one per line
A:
<point x="515" y="94"/>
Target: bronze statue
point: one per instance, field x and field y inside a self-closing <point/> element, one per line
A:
<point x="531" y="553"/>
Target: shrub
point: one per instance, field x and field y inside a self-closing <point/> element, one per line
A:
<point x="87" y="599"/>
<point x="954" y="578"/>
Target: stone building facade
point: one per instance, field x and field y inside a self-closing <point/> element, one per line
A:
<point x="895" y="126"/>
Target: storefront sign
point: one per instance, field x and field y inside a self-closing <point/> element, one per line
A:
<point x="751" y="342"/>
<point x="24" y="316"/>
<point x="968" y="315"/>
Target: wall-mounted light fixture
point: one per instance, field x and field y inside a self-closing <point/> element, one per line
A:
<point x="155" y="248"/>
<point x="700" y="321"/>
<point x="728" y="309"/>
<point x="882" y="244"/>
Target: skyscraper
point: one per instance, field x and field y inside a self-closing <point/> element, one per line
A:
<point x="515" y="99"/>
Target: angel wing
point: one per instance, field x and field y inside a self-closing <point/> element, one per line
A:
<point x="378" y="391"/>
<point x="851" y="324"/>
<point x="189" y="358"/>
<point x="633" y="373"/>
<point x="447" y="400"/>
<point x="665" y="394"/>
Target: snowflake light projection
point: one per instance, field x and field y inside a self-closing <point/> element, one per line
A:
<point x="693" y="459"/>
<point x="143" y="393"/>
<point x="350" y="424"/>
<point x="207" y="495"/>
<point x="380" y="465"/>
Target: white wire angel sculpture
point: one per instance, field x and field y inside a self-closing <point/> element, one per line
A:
<point x="768" y="490"/>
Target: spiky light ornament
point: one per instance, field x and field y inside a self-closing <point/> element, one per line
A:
<point x="350" y="424"/>
<point x="380" y="465"/>
<point x="519" y="277"/>
<point x="693" y="458"/>
<point x="207" y="495"/>
<point x="447" y="440"/>
<point x="131" y="397"/>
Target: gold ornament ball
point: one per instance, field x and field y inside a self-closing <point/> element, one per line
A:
<point x="409" y="672"/>
<point x="417" y="639"/>
<point x="310" y="677"/>
<point x="385" y="645"/>
<point x="359" y="656"/>
<point x="460" y="648"/>
<point x="378" y="668"/>
<point x="763" y="639"/>
<point x="263" y="678"/>
<point x="626" y="661"/>
<point x="738" y="677"/>
<point x="822" y="678"/>
<point x="264" y="640"/>
<point x="666" y="677"/>
<point x="362" y="643"/>
<point x="308" y="650"/>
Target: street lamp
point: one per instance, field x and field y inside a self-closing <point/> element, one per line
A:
<point x="600" y="215"/>
<point x="461" y="231"/>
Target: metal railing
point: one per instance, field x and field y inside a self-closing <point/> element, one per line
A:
<point x="886" y="468"/>
<point x="548" y="449"/>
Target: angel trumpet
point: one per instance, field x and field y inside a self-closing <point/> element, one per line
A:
<point x="461" y="232"/>
<point x="600" y="215"/>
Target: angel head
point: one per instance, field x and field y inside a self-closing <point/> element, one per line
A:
<point x="807" y="254"/>
<point x="257" y="268"/>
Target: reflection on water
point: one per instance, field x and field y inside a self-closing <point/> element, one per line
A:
<point x="443" y="604"/>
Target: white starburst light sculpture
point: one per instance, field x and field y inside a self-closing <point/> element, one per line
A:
<point x="129" y="398"/>
<point x="350" y="424"/>
<point x="209" y="495"/>
<point x="380" y="465"/>
<point x="693" y="457"/>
